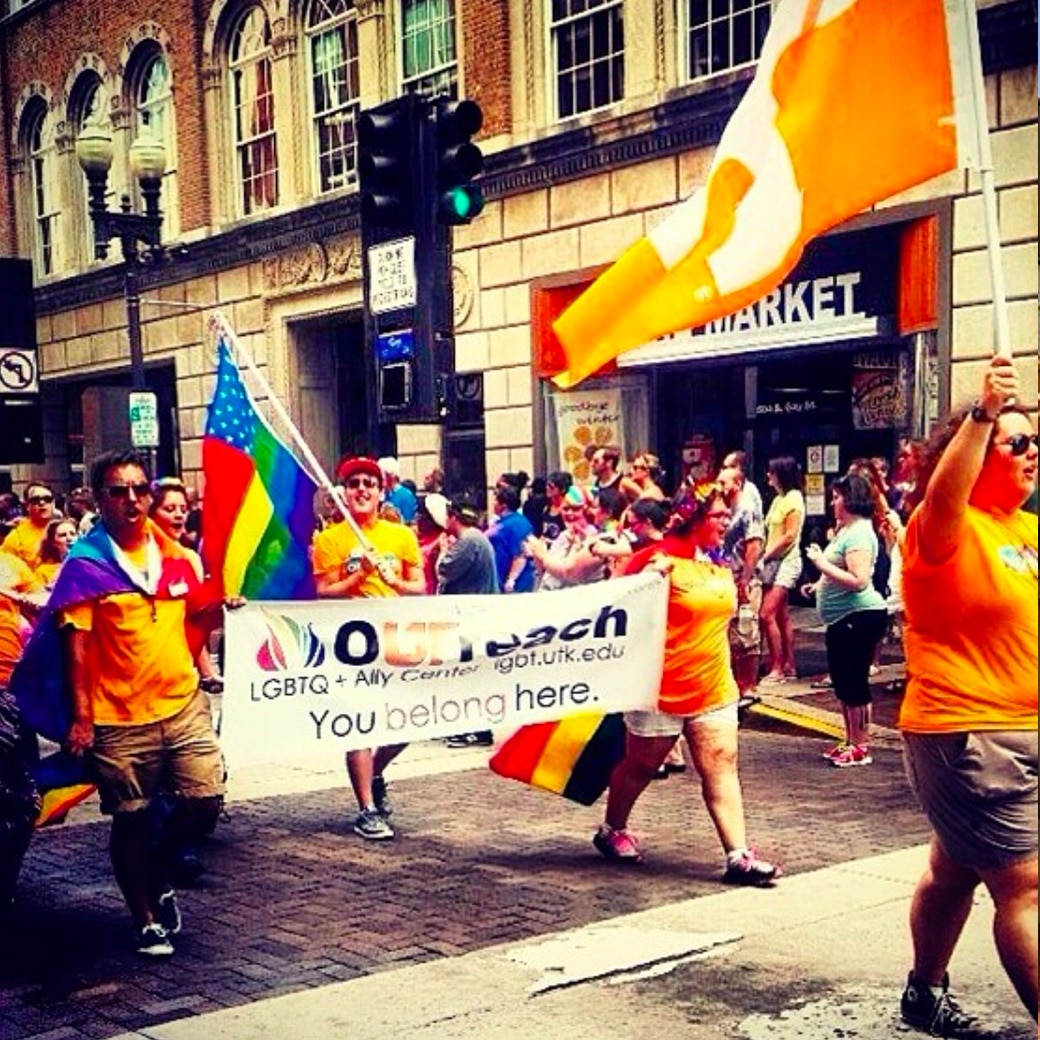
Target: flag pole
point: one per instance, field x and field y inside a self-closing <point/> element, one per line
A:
<point x="1001" y="325"/>
<point x="220" y="323"/>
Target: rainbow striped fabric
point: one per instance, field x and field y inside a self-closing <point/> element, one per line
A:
<point x="573" y="757"/>
<point x="850" y="104"/>
<point x="258" y="517"/>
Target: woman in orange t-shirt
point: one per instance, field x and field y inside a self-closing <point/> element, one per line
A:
<point x="698" y="695"/>
<point x="969" y="717"/>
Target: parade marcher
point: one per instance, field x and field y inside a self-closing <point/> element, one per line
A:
<point x="557" y="484"/>
<point x="853" y="611"/>
<point x="605" y="463"/>
<point x="535" y="504"/>
<point x="466" y="567"/>
<point x="698" y="695"/>
<point x="131" y="612"/>
<point x="969" y="715"/>
<point x="60" y="536"/>
<point x="390" y="564"/>
<point x="431" y="521"/>
<point x="781" y="565"/>
<point x="568" y="560"/>
<point x="643" y="479"/>
<point x="26" y="537"/>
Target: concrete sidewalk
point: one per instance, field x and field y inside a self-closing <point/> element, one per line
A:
<point x="822" y="955"/>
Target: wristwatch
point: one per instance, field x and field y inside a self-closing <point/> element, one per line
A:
<point x="979" y="414"/>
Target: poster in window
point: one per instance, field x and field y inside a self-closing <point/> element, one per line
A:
<point x="586" y="420"/>
<point x="880" y="389"/>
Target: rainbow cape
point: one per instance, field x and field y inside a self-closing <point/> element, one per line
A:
<point x="259" y="502"/>
<point x="573" y="757"/>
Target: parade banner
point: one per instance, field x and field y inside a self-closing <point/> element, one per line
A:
<point x="308" y="681"/>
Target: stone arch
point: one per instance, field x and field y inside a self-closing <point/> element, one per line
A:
<point x="88" y="62"/>
<point x="221" y="13"/>
<point x="30" y="93"/>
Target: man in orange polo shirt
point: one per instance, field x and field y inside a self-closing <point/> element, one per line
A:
<point x="26" y="537"/>
<point x="137" y="713"/>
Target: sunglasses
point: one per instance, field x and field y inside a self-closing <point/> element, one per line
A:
<point x="362" y="482"/>
<point x="1018" y="444"/>
<point x="43" y="500"/>
<point x="121" y="491"/>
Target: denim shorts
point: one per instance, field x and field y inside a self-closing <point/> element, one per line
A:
<point x="662" y="724"/>
<point x="179" y="755"/>
<point x="979" y="792"/>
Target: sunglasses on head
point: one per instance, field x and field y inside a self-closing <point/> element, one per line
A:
<point x="1018" y="444"/>
<point x="362" y="482"/>
<point x="41" y="500"/>
<point x="123" y="490"/>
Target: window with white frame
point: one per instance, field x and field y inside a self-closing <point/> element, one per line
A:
<point x="153" y="114"/>
<point x="429" y="54"/>
<point x="88" y="106"/>
<point x="252" y="101"/>
<point x="332" y="49"/>
<point x="588" y="54"/>
<point x="38" y="142"/>
<point x="721" y="35"/>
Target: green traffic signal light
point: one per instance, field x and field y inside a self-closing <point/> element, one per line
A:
<point x="457" y="160"/>
<point x="462" y="203"/>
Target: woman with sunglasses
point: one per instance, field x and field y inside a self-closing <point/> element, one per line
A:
<point x="643" y="479"/>
<point x="969" y="715"/>
<point x="698" y="696"/>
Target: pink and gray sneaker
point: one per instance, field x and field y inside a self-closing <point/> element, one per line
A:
<point x="852" y="755"/>
<point x="617" y="844"/>
<point x="750" y="870"/>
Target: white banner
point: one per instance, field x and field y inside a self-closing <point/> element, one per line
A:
<point x="308" y="681"/>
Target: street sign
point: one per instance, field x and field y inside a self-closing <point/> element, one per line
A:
<point x="18" y="371"/>
<point x="391" y="276"/>
<point x="144" y="420"/>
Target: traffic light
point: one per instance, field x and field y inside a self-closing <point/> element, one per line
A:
<point x="388" y="179"/>
<point x="457" y="160"/>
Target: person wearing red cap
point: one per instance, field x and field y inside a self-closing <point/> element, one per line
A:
<point x="390" y="564"/>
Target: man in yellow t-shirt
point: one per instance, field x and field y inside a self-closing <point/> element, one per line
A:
<point x="138" y="715"/>
<point x="26" y="537"/>
<point x="389" y="564"/>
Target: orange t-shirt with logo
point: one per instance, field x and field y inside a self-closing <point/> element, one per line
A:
<point x="702" y="598"/>
<point x="971" y="628"/>
<point x="140" y="668"/>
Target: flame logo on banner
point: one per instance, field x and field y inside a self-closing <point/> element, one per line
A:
<point x="289" y="646"/>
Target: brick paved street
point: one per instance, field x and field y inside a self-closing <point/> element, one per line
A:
<point x="294" y="900"/>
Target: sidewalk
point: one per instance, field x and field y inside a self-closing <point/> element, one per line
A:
<point x="823" y="955"/>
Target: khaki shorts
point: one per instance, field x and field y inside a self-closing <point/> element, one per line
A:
<point x="979" y="792"/>
<point x="179" y="755"/>
<point x="661" y="724"/>
<point x="745" y="630"/>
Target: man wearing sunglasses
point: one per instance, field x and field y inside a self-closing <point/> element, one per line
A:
<point x="26" y="538"/>
<point x="389" y="563"/>
<point x="120" y="634"/>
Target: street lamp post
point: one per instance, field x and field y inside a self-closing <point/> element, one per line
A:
<point x="147" y="164"/>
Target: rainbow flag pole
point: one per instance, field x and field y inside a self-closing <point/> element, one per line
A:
<point x="224" y="332"/>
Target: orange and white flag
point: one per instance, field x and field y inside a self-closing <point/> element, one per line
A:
<point x="853" y="101"/>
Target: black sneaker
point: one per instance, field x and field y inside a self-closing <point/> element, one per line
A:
<point x="371" y="825"/>
<point x="467" y="740"/>
<point x="936" y="1015"/>
<point x="168" y="913"/>
<point x="152" y="941"/>
<point x="752" y="871"/>
<point x="380" y="796"/>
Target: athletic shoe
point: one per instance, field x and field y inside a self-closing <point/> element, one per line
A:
<point x="468" y="740"/>
<point x="936" y="1015"/>
<point x="380" y="796"/>
<point x="750" y="870"/>
<point x="168" y="913"/>
<point x="371" y="825"/>
<point x="772" y="679"/>
<point x="838" y="749"/>
<point x="617" y="844"/>
<point x="152" y="941"/>
<point x="852" y="755"/>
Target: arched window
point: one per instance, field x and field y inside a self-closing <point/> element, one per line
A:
<point x="252" y="101"/>
<point x="333" y="67"/>
<point x="153" y="113"/>
<point x="429" y="59"/>
<point x="88" y="106"/>
<point x="38" y="144"/>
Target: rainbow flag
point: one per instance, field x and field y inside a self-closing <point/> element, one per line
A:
<point x="851" y="103"/>
<point x="258" y="517"/>
<point x="573" y="757"/>
<point x="59" y="777"/>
